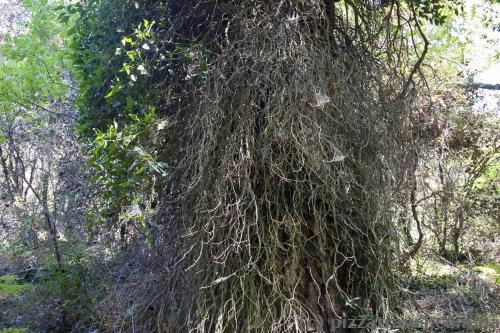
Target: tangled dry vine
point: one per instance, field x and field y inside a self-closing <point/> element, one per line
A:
<point x="290" y="157"/>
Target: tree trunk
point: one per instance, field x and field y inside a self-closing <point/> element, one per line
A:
<point x="458" y="230"/>
<point x="413" y="201"/>
<point x="51" y="225"/>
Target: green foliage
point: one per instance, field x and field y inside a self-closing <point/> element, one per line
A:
<point x="432" y="282"/>
<point x="33" y="64"/>
<point x="74" y="289"/>
<point x="489" y="272"/>
<point x="494" y="266"/>
<point x="114" y="49"/>
<point x="437" y="12"/>
<point x="126" y="69"/>
<point x="489" y="179"/>
<point x="11" y="286"/>
<point x="13" y="330"/>
<point x="95" y="36"/>
<point x="455" y="44"/>
<point x="474" y="144"/>
<point x="112" y="81"/>
<point x="123" y="64"/>
<point x="128" y="168"/>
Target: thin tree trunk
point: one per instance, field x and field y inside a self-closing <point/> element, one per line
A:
<point x="3" y="161"/>
<point x="444" y="207"/>
<point x="51" y="225"/>
<point x="413" y="202"/>
<point x="457" y="230"/>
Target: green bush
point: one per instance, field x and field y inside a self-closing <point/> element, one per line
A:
<point x="10" y="285"/>
<point x="65" y="296"/>
<point x="128" y="170"/>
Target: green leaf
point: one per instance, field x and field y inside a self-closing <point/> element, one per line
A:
<point x="130" y="103"/>
<point x="127" y="40"/>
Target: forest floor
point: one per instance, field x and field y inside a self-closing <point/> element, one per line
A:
<point x="443" y="298"/>
<point x="451" y="297"/>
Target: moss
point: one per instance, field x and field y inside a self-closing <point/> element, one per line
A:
<point x="10" y="286"/>
<point x="494" y="266"/>
<point x="489" y="272"/>
<point x="13" y="330"/>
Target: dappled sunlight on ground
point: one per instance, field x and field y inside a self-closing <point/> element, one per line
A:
<point x="453" y="296"/>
